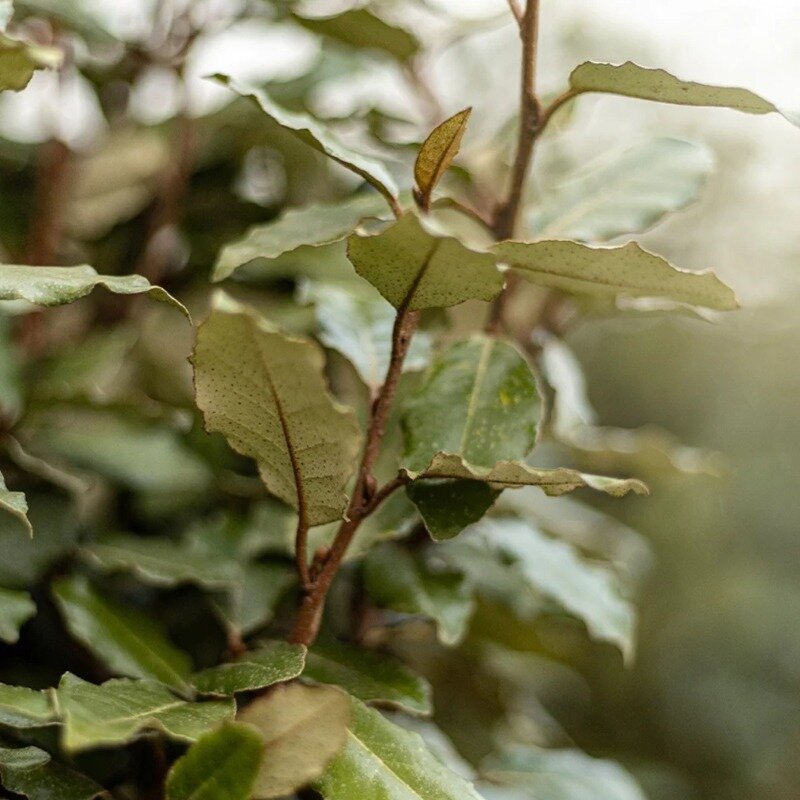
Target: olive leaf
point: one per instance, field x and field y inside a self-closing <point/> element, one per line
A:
<point x="305" y="443"/>
<point x="21" y="707"/>
<point x="437" y="153"/>
<point x="19" y="60"/>
<point x="31" y="772"/>
<point x="16" y="608"/>
<point x="14" y="510"/>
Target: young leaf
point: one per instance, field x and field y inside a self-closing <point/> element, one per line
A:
<point x="447" y="507"/>
<point x="437" y="153"/>
<point x="16" y="608"/>
<point x="313" y="133"/>
<point x="384" y="760"/>
<point x="623" y="193"/>
<point x="613" y="272"/>
<point x="120" y="709"/>
<point x="397" y="580"/>
<point x="415" y="268"/>
<point x="31" y="773"/>
<point x="369" y="676"/>
<point x="55" y="286"/>
<point x="129" y="642"/>
<point x="631" y="80"/>
<point x="21" y="707"/>
<point x="220" y="765"/>
<point x="311" y="226"/>
<point x="273" y="663"/>
<point x="303" y="728"/>
<point x="14" y="510"/>
<point x="19" y="60"/>
<point x="305" y="443"/>
<point x="479" y="400"/>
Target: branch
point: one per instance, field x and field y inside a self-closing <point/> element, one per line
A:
<point x="516" y="11"/>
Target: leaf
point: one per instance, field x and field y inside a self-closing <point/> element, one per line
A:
<point x="383" y="760"/>
<point x="397" y="580"/>
<point x="30" y="772"/>
<point x="305" y="443"/>
<point x="478" y="400"/>
<point x="310" y="226"/>
<point x="555" y="569"/>
<point x="313" y="133"/>
<point x="564" y="775"/>
<point x="55" y="286"/>
<point x="631" y="80"/>
<point x="273" y="663"/>
<point x="303" y="728"/>
<point x="14" y="508"/>
<point x="447" y="507"/>
<point x="413" y="267"/>
<point x="371" y="677"/>
<point x="221" y="765"/>
<point x="624" y="193"/>
<point x="120" y="709"/>
<point x="613" y="272"/>
<point x="19" y="60"/>
<point x="437" y="153"/>
<point x="129" y="642"/>
<point x="360" y="29"/>
<point x="16" y="608"/>
<point x="21" y="707"/>
<point x="359" y="326"/>
<point x="72" y="14"/>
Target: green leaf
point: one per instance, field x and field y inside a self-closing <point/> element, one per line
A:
<point x="72" y="14"/>
<point x="371" y="677"/>
<point x="305" y="443"/>
<point x="397" y="580"/>
<point x="437" y="153"/>
<point x="14" y="509"/>
<point x="631" y="80"/>
<point x="414" y="267"/>
<point x="360" y="29"/>
<point x="447" y="507"/>
<point x="21" y="707"/>
<point x="16" y="608"/>
<point x="19" y="60"/>
<point x="303" y="728"/>
<point x="30" y="772"/>
<point x="273" y="663"/>
<point x="513" y="474"/>
<point x="609" y="273"/>
<point x="313" y="133"/>
<point x="555" y="569"/>
<point x="311" y="226"/>
<point x="221" y="765"/>
<point x="120" y="709"/>
<point x="358" y="324"/>
<point x="129" y="642"/>
<point x="564" y="775"/>
<point x="479" y="400"/>
<point x="55" y="286"/>
<point x="624" y="193"/>
<point x="382" y="760"/>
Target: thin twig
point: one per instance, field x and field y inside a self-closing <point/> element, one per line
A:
<point x="515" y="10"/>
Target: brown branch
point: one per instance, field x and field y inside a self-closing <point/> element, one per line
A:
<point x="516" y="11"/>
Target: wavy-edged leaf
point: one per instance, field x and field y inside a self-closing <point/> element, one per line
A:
<point x="358" y="324"/>
<point x="305" y="443"/>
<point x="623" y="193"/>
<point x="310" y="226"/>
<point x="220" y="765"/>
<point x="437" y="153"/>
<point x="414" y="267"/>
<point x="383" y="760"/>
<point x="609" y="273"/>
<point x="303" y="728"/>
<point x="513" y="474"/>
<point x="55" y="286"/>
<point x="16" y="608"/>
<point x="313" y="133"/>
<point x="632" y="80"/>
<point x="371" y="677"/>
<point x="14" y="510"/>
<point x="32" y="773"/>
<point x="275" y="662"/>
<point x="397" y="580"/>
<point x="19" y="60"/>
<point x="129" y="642"/>
<point x="120" y="709"/>
<point x="21" y="707"/>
